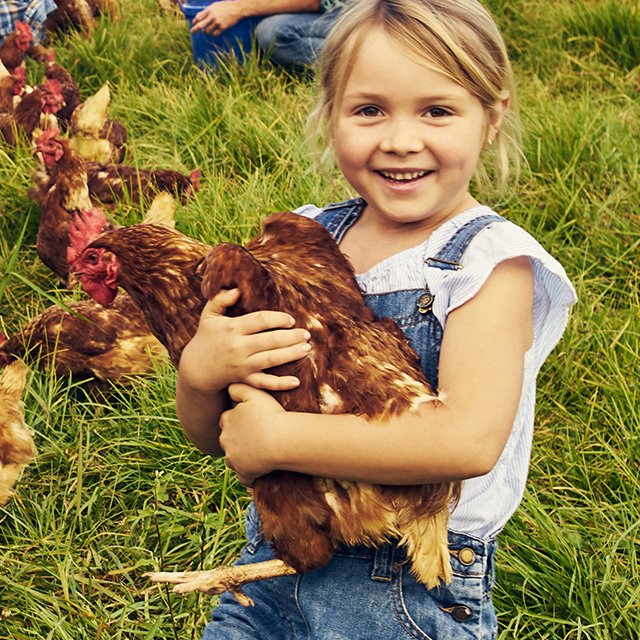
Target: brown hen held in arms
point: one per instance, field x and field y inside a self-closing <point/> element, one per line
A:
<point x="296" y="266"/>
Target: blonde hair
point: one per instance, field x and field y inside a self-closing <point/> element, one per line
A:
<point x="457" y="38"/>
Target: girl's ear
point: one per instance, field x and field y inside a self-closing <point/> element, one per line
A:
<point x="496" y="116"/>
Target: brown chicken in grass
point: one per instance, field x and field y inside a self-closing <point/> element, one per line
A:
<point x="95" y="136"/>
<point x="88" y="340"/>
<point x="28" y="112"/>
<point x="68" y="87"/>
<point x="80" y="14"/>
<point x="113" y="183"/>
<point x="15" y="45"/>
<point x="71" y="14"/>
<point x="10" y="87"/>
<point x="66" y="191"/>
<point x="16" y="443"/>
<point x="61" y="187"/>
<point x="108" y="184"/>
<point x="296" y="267"/>
<point x="36" y="110"/>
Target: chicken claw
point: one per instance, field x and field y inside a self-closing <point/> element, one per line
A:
<point x="222" y="579"/>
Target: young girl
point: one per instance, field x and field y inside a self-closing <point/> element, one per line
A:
<point x="415" y="96"/>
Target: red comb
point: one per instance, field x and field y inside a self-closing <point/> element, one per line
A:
<point x="24" y="29"/>
<point x="47" y="135"/>
<point x="53" y="86"/>
<point x="50" y="56"/>
<point x="195" y="179"/>
<point x="85" y="227"/>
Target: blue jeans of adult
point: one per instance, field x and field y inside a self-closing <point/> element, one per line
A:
<point x="294" y="40"/>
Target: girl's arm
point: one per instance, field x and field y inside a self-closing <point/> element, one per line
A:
<point x="481" y="373"/>
<point x="227" y="350"/>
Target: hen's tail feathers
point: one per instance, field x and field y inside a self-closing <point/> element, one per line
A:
<point x="162" y="211"/>
<point x="427" y="543"/>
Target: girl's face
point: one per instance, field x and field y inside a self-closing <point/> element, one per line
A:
<point x="407" y="138"/>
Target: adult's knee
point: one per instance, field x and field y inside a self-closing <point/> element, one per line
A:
<point x="273" y="30"/>
<point x="286" y="38"/>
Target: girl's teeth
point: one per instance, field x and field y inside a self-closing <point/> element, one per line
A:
<point x="403" y="176"/>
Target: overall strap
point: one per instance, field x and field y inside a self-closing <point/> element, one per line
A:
<point x="448" y="258"/>
<point x="337" y="218"/>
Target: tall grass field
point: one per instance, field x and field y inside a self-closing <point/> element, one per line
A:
<point x="117" y="490"/>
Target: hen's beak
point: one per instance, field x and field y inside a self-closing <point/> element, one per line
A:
<point x="73" y="279"/>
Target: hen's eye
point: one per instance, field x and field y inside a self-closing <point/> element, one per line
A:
<point x="92" y="258"/>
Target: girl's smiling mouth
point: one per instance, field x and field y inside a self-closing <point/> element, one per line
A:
<point x="403" y="176"/>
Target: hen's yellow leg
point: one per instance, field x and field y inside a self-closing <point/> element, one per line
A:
<point x="215" y="581"/>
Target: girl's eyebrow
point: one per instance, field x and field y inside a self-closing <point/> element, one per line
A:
<point x="375" y="97"/>
<point x="363" y="95"/>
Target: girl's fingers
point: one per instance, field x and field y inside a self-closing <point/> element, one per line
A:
<point x="277" y="340"/>
<point x="259" y="321"/>
<point x="240" y="392"/>
<point x="270" y="382"/>
<point x="219" y="303"/>
<point x="267" y="358"/>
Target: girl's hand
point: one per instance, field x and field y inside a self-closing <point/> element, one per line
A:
<point x="227" y="350"/>
<point x="217" y="17"/>
<point x="245" y="431"/>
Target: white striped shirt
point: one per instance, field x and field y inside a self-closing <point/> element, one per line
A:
<point x="488" y="501"/>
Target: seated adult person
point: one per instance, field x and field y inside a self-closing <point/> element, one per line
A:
<point x="291" y="33"/>
<point x="34" y="12"/>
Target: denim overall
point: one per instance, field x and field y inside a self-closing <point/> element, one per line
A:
<point x="363" y="593"/>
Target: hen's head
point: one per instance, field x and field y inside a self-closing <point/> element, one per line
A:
<point x="20" y="76"/>
<point x="50" y="146"/>
<point x="52" y="99"/>
<point x="95" y="267"/>
<point x="194" y="176"/>
<point x="24" y="36"/>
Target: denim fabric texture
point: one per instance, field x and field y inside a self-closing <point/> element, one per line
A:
<point x="370" y="594"/>
<point x="363" y="594"/>
<point x="294" y="40"/>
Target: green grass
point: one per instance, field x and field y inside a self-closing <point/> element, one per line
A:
<point x="117" y="490"/>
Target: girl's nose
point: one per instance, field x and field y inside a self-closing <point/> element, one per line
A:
<point x="401" y="138"/>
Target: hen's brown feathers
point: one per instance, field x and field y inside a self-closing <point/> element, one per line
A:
<point x="14" y="46"/>
<point x="110" y="183"/>
<point x="359" y="364"/>
<point x="160" y="268"/>
<point x="88" y="340"/>
<point x="16" y="443"/>
<point x="69" y="88"/>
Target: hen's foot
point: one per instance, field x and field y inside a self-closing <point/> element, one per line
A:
<point x="222" y="579"/>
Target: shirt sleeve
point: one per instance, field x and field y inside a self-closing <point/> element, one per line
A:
<point x="553" y="292"/>
<point x="308" y="211"/>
